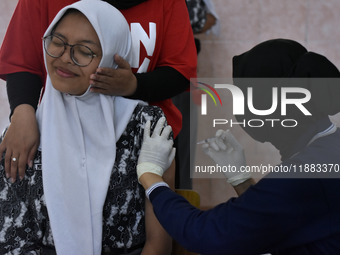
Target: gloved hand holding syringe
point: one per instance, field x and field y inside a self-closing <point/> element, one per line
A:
<point x="225" y="150"/>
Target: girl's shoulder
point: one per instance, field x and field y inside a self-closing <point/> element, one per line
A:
<point x="140" y="116"/>
<point x="143" y="113"/>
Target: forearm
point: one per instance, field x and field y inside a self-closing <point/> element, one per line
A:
<point x="162" y="83"/>
<point x="189" y="226"/>
<point x="23" y="88"/>
<point x="158" y="241"/>
<point x="23" y="111"/>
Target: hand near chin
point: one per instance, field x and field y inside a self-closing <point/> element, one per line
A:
<point x="114" y="82"/>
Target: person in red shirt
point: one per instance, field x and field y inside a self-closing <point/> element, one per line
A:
<point x="82" y="195"/>
<point x="164" y="61"/>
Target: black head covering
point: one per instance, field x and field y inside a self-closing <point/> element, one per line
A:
<point x="124" y="4"/>
<point x="281" y="58"/>
<point x="273" y="58"/>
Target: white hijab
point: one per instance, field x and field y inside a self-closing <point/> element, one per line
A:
<point x="78" y="140"/>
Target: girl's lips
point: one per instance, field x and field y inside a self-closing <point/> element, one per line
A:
<point x="64" y="73"/>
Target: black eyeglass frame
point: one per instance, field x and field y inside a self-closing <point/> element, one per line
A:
<point x="93" y="55"/>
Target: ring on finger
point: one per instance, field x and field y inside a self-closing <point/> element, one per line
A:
<point x="14" y="159"/>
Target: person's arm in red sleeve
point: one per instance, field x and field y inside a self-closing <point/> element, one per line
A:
<point x="21" y="64"/>
<point x="178" y="56"/>
<point x="171" y="68"/>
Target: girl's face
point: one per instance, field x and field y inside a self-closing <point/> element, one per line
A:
<point x="66" y="76"/>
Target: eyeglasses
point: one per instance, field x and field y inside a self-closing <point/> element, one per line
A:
<point x="80" y="54"/>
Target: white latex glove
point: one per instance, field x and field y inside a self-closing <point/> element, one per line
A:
<point x="225" y="150"/>
<point x="157" y="151"/>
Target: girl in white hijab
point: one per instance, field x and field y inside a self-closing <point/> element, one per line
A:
<point x="89" y="149"/>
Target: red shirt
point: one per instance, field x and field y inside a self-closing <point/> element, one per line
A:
<point x="160" y="29"/>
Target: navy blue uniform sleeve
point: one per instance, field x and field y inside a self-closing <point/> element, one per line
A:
<point x="271" y="216"/>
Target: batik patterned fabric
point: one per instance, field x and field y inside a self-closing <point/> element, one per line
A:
<point x="197" y="14"/>
<point x="24" y="223"/>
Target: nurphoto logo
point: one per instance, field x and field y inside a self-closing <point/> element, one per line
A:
<point x="204" y="96"/>
<point x="243" y="101"/>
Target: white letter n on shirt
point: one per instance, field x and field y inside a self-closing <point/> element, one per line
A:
<point x="139" y="35"/>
